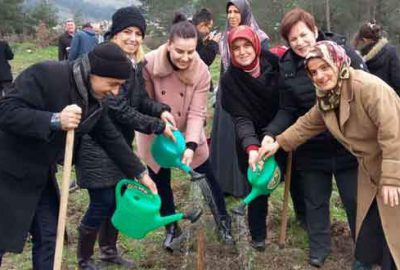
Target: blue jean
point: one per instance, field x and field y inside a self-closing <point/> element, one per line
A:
<point x="44" y="229"/>
<point x="101" y="207"/>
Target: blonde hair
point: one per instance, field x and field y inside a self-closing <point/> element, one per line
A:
<point x="139" y="55"/>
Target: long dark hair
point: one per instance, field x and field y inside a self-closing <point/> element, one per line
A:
<point x="181" y="28"/>
<point x="369" y="30"/>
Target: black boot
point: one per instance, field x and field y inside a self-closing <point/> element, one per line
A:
<point x="86" y="239"/>
<point x="172" y="231"/>
<point x="108" y="236"/>
<point x="224" y="224"/>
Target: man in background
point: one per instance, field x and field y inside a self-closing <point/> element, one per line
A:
<point x="207" y="44"/>
<point x="64" y="41"/>
<point x="83" y="42"/>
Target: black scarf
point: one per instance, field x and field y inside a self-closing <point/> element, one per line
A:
<point x="254" y="98"/>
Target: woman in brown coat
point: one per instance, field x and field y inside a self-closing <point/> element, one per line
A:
<point x="363" y="113"/>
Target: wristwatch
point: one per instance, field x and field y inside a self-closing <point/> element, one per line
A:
<point x="55" y="122"/>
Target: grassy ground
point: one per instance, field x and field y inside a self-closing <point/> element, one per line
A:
<point x="147" y="252"/>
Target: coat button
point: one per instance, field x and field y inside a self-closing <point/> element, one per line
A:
<point x="181" y="94"/>
<point x="179" y="114"/>
<point x="162" y="92"/>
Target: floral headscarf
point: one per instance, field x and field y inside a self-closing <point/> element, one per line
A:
<point x="247" y="33"/>
<point x="335" y="56"/>
<point x="247" y="18"/>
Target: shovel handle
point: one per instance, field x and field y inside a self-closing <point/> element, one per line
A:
<point x="62" y="215"/>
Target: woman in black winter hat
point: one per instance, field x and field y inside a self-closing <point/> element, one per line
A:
<point x="131" y="110"/>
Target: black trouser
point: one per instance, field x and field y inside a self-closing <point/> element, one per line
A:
<point x="297" y="195"/>
<point x="258" y="208"/>
<point x="163" y="182"/>
<point x="44" y="229"/>
<point x="101" y="206"/>
<point x="317" y="192"/>
<point x="371" y="246"/>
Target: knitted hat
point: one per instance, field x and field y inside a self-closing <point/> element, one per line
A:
<point x="126" y="17"/>
<point x="108" y="60"/>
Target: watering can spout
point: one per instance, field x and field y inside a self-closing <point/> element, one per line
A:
<point x="253" y="194"/>
<point x="162" y="221"/>
<point x="263" y="182"/>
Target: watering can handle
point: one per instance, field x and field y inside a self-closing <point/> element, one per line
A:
<point x="119" y="187"/>
<point x="124" y="182"/>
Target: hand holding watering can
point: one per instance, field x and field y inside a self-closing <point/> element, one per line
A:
<point x="263" y="176"/>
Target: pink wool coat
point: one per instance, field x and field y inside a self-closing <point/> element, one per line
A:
<point x="185" y="91"/>
<point x="369" y="127"/>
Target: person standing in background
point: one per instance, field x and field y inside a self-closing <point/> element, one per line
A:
<point x="64" y="41"/>
<point x="207" y="43"/>
<point x="6" y="78"/>
<point x="83" y="42"/>
<point x="381" y="57"/>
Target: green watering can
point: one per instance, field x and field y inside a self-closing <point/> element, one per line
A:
<point x="167" y="153"/>
<point x="262" y="182"/>
<point x="138" y="210"/>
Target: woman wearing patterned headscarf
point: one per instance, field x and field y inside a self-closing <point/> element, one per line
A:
<point x="352" y="105"/>
<point x="223" y="139"/>
<point x="250" y="94"/>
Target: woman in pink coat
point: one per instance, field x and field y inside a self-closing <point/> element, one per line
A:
<point x="175" y="75"/>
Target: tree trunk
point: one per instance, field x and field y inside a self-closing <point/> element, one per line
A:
<point x="327" y="15"/>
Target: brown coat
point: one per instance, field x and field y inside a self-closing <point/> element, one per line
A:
<point x="369" y="127"/>
<point x="185" y="91"/>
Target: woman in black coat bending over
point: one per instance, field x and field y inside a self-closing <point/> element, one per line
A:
<point x="250" y="95"/>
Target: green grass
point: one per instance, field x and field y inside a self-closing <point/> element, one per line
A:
<point x="26" y="54"/>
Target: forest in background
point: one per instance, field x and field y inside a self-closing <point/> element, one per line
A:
<point x="22" y="17"/>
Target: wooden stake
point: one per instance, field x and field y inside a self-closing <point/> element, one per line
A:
<point x="200" y="249"/>
<point x="62" y="215"/>
<point x="284" y="219"/>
